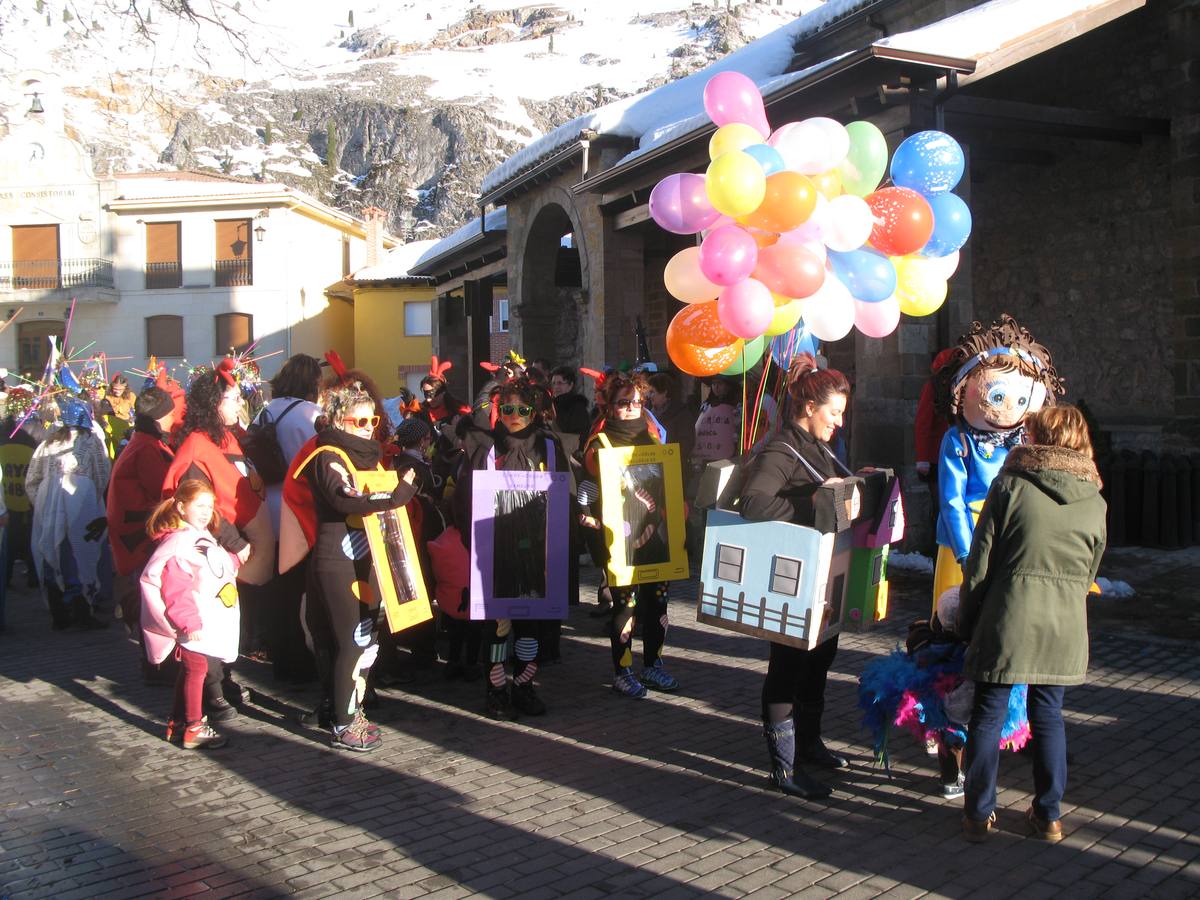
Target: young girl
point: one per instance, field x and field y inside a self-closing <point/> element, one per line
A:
<point x="190" y="605"/>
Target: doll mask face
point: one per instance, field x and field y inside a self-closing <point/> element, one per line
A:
<point x="996" y="400"/>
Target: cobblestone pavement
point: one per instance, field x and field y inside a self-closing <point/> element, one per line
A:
<point x="603" y="796"/>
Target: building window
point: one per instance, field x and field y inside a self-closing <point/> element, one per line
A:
<point x="163" y="269"/>
<point x="35" y="259"/>
<point x="235" y="332"/>
<point x="234" y="267"/>
<point x="33" y="345"/>
<point x="729" y="563"/>
<point x="418" y="318"/>
<point x="501" y="315"/>
<point x="164" y="336"/>
<point x="785" y="576"/>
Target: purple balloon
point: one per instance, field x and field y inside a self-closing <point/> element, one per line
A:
<point x="680" y="204"/>
<point x="728" y="255"/>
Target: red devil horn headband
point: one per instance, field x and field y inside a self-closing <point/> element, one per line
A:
<point x="335" y="363"/>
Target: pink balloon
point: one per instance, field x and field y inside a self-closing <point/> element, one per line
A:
<point x="746" y="308"/>
<point x="680" y="204"/>
<point x="877" y="320"/>
<point x="728" y="255"/>
<point x="732" y="97"/>
<point x="790" y="270"/>
<point x="721" y="222"/>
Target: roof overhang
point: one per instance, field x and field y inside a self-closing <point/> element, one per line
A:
<point x="572" y="154"/>
<point x="481" y="250"/>
<point x="828" y="86"/>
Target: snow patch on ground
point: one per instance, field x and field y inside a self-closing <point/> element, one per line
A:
<point x="1115" y="590"/>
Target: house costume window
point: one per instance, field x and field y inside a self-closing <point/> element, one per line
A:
<point x="164" y="336"/>
<point x="163" y="269"/>
<point x="234" y="266"/>
<point x="785" y="576"/>
<point x="730" y="561"/>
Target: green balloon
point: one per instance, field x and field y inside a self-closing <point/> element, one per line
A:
<point x="752" y="352"/>
<point x="865" y="161"/>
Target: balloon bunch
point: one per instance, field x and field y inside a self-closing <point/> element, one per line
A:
<point x="798" y="237"/>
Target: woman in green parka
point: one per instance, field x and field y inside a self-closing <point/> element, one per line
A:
<point x="1034" y="555"/>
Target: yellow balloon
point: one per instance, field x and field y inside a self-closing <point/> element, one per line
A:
<point x="920" y="289"/>
<point x="734" y="136"/>
<point x="735" y="183"/>
<point x="828" y="183"/>
<point x="785" y="318"/>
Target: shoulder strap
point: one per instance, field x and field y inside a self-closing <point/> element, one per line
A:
<point x="338" y="450"/>
<point x="837" y="462"/>
<point x="603" y="440"/>
<point x="491" y="458"/>
<point x="289" y="408"/>
<point x="817" y="476"/>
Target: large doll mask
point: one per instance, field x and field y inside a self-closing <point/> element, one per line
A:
<point x="999" y="399"/>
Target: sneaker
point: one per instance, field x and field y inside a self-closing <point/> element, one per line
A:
<point x="657" y="677"/>
<point x="175" y="730"/>
<point x="1043" y="830"/>
<point x="361" y="720"/>
<point x="201" y="736"/>
<point x="626" y="683"/>
<point x="220" y="710"/>
<point x="356" y="738"/>
<point x="526" y="700"/>
<point x="498" y="705"/>
<point x="956" y="789"/>
<point x="977" y="832"/>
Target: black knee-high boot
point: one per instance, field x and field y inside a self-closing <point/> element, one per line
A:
<point x="781" y="745"/>
<point x="809" y="746"/>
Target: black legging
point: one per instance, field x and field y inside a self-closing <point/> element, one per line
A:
<point x="526" y="639"/>
<point x="798" y="677"/>
<point x="645" y="603"/>
<point x="350" y="643"/>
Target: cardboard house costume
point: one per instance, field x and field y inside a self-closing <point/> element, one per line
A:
<point x="996" y="376"/>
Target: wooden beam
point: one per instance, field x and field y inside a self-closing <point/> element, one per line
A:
<point x="631" y="217"/>
<point x="1010" y="114"/>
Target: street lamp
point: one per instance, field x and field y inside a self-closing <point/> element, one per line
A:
<point x="259" y="233"/>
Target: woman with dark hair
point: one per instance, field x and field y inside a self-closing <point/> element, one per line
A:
<point x="67" y="477"/>
<point x="625" y="425"/>
<point x="521" y="442"/>
<point x="780" y="484"/>
<point x="120" y="398"/>
<point x="293" y="412"/>
<point x="209" y="451"/>
<point x="341" y="580"/>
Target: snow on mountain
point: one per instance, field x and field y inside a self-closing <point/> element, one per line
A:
<point x="406" y="105"/>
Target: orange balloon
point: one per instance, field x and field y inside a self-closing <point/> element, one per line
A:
<point x="763" y="238"/>
<point x="700" y="362"/>
<point x="697" y="323"/>
<point x="789" y="201"/>
<point x="828" y="183"/>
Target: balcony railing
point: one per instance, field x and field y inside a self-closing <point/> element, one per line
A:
<point x="233" y="272"/>
<point x="52" y="274"/>
<point x="163" y="275"/>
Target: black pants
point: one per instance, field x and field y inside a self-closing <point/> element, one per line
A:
<point x="464" y="635"/>
<point x="281" y="597"/>
<point x="646" y="604"/>
<point x="526" y="635"/>
<point x="349" y="639"/>
<point x="798" y="677"/>
<point x="19" y="545"/>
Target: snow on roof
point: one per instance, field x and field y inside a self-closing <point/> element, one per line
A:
<point x="395" y="264"/>
<point x="147" y="185"/>
<point x="984" y="29"/>
<point x="496" y="220"/>
<point x="653" y="112"/>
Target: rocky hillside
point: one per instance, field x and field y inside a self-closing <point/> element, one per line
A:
<point x="409" y="111"/>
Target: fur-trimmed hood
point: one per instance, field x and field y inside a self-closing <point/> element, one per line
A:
<point x="1066" y="475"/>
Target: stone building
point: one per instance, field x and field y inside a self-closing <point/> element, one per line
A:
<point x="1080" y="122"/>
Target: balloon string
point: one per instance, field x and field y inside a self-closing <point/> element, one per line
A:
<point x="742" y="439"/>
<point x="762" y="386"/>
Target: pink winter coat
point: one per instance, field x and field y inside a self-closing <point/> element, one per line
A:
<point x="188" y="586"/>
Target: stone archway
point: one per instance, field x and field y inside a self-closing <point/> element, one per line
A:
<point x="549" y="282"/>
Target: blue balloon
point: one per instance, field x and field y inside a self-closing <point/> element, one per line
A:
<point x="929" y="162"/>
<point x="766" y="156"/>
<point x="951" y="225"/>
<point x="869" y="276"/>
<point x="785" y="346"/>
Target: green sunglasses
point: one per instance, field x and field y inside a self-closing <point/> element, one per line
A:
<point x="508" y="409"/>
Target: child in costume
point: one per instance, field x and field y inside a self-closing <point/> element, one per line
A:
<point x="923" y="690"/>
<point x="995" y="377"/>
<point x="190" y="606"/>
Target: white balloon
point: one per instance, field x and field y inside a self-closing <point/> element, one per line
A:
<point x="829" y="313"/>
<point x="848" y="223"/>
<point x="837" y="140"/>
<point x="945" y="266"/>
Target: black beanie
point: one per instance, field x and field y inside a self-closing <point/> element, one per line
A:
<point x="153" y="403"/>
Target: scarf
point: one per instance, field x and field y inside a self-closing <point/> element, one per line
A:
<point x="364" y="453"/>
<point x="624" y="433"/>
<point x="518" y="450"/>
<point x="990" y="441"/>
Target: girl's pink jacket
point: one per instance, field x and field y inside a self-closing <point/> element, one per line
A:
<point x="188" y="586"/>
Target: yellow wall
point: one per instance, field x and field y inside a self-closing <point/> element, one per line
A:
<point x="380" y="345"/>
<point x="331" y="327"/>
